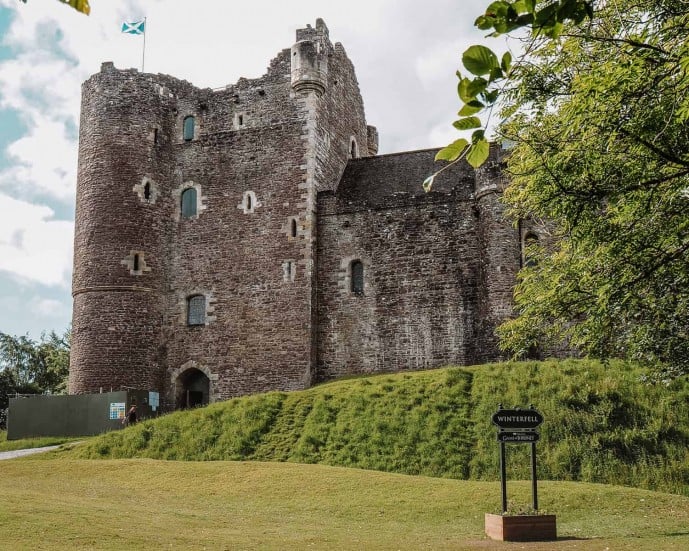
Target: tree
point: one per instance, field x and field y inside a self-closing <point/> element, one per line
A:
<point x="597" y="109"/>
<point x="79" y="5"/>
<point x="31" y="367"/>
<point x="600" y="122"/>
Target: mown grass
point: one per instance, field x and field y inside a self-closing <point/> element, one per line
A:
<point x="602" y="424"/>
<point x="11" y="445"/>
<point x="149" y="504"/>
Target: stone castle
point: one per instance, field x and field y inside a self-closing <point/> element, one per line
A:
<point x="250" y="238"/>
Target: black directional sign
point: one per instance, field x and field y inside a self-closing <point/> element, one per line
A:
<point x="518" y="437"/>
<point x="517" y="418"/>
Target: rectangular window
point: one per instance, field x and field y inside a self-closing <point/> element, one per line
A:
<point x="357" y="275"/>
<point x="189" y="202"/>
<point x="188" y="129"/>
<point x="196" y="310"/>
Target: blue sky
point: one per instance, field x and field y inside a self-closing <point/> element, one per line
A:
<point x="405" y="52"/>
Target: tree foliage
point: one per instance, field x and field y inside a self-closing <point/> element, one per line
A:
<point x="597" y="108"/>
<point x="31" y="367"/>
<point x="79" y="5"/>
<point x="599" y="117"/>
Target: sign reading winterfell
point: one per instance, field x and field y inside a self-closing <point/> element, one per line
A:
<point x="517" y="418"/>
<point x="517" y="426"/>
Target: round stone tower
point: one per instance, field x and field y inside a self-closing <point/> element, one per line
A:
<point x="118" y="281"/>
<point x="499" y="255"/>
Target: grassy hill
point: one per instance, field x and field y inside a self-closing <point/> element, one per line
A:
<point x="602" y="424"/>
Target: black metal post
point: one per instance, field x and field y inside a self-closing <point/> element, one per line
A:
<point x="503" y="477"/>
<point x="534" y="481"/>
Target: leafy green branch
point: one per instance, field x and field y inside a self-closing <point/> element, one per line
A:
<point x="480" y="91"/>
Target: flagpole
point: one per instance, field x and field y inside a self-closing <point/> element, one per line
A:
<point x="143" y="55"/>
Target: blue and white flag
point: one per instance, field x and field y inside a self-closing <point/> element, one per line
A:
<point x="138" y="27"/>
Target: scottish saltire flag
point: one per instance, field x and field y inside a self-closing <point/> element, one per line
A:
<point x="138" y="27"/>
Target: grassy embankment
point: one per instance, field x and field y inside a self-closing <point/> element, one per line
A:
<point x="148" y="504"/>
<point x="6" y="446"/>
<point x="601" y="425"/>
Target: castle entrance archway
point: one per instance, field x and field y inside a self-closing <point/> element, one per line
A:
<point x="193" y="389"/>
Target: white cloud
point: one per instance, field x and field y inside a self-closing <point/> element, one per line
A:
<point x="32" y="245"/>
<point x="47" y="307"/>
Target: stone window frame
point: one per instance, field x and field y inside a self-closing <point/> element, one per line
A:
<point x="354" y="288"/>
<point x="200" y="200"/>
<point x="353" y="148"/>
<point x="289" y="270"/>
<point x="130" y="262"/>
<point x="179" y="126"/>
<point x="194" y="135"/>
<point x="140" y="190"/>
<point x="189" y="200"/>
<point x="183" y="303"/>
<point x="239" y="120"/>
<point x="344" y="276"/>
<point x="249" y="202"/>
<point x="291" y="224"/>
<point x="192" y="319"/>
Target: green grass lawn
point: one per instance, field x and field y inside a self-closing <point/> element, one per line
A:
<point x="153" y="504"/>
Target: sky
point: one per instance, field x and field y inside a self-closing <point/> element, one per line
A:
<point x="405" y="53"/>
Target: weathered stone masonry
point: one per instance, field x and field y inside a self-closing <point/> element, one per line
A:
<point x="286" y="194"/>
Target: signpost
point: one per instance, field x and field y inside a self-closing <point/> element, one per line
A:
<point x="517" y="426"/>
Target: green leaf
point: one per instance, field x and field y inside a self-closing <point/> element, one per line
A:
<point x="498" y="8"/>
<point x="469" y="89"/>
<point x="553" y="31"/>
<point x="477" y="135"/>
<point x="547" y="15"/>
<point x="470" y="108"/>
<point x="506" y="62"/>
<point x="479" y="60"/>
<point x="491" y="96"/>
<point x="467" y="123"/>
<point x="478" y="153"/>
<point x="525" y="20"/>
<point x="449" y="153"/>
<point x="495" y="74"/>
<point x="484" y="23"/>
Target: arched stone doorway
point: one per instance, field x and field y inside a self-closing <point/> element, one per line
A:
<point x="192" y="389"/>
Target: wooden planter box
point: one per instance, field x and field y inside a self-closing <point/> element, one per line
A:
<point x="521" y="527"/>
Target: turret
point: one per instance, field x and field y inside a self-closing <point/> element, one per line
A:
<point x="310" y="60"/>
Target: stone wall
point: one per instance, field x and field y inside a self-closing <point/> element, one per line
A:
<point x="420" y="255"/>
